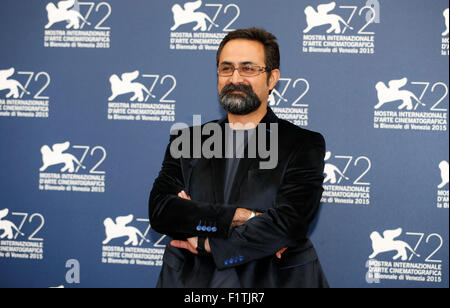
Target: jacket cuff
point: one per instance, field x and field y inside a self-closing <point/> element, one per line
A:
<point x="225" y="255"/>
<point x="219" y="226"/>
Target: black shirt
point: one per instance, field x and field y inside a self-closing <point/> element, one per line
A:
<point x="234" y="150"/>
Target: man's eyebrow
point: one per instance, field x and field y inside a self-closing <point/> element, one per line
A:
<point x="246" y="63"/>
<point x="240" y="63"/>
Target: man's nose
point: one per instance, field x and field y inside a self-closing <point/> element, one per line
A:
<point x="236" y="78"/>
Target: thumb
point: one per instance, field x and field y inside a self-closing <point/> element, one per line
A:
<point x="280" y="252"/>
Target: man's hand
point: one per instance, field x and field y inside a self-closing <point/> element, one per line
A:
<point x="192" y="242"/>
<point x="182" y="194"/>
<point x="241" y="216"/>
<point x="280" y="252"/>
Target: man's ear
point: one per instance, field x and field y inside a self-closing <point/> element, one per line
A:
<point x="273" y="79"/>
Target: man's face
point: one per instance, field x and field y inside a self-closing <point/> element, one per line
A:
<point x="243" y="95"/>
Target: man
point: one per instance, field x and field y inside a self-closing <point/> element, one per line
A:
<point x="234" y="223"/>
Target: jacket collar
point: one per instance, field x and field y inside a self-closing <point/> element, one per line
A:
<point x="270" y="117"/>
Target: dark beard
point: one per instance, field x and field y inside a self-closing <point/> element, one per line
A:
<point x="237" y="103"/>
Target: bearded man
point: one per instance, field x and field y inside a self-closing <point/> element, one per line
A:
<point x="231" y="222"/>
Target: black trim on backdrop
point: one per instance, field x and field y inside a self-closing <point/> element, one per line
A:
<point x="240" y="297"/>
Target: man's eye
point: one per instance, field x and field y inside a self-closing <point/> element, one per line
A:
<point x="226" y="69"/>
<point x="248" y="69"/>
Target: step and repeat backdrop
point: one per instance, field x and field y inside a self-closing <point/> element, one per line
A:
<point x="90" y="89"/>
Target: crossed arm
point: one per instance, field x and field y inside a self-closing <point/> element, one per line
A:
<point x="241" y="216"/>
<point x="172" y="212"/>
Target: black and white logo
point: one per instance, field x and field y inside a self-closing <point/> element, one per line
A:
<point x="411" y="105"/>
<point x="142" y="97"/>
<point x="201" y="26"/>
<point x="23" y="93"/>
<point x="444" y="42"/>
<point x="287" y="100"/>
<point x="442" y="187"/>
<point x="343" y="29"/>
<point x="346" y="179"/>
<point x="405" y="256"/>
<point x="20" y="235"/>
<point x="72" y="168"/>
<point x="77" y="24"/>
<point x="126" y="242"/>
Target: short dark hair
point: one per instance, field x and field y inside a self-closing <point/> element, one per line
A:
<point x="271" y="48"/>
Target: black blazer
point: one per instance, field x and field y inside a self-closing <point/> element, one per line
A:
<point x="288" y="196"/>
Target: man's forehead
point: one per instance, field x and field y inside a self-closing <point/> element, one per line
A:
<point x="242" y="51"/>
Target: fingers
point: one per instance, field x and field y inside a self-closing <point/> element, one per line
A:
<point x="207" y="246"/>
<point x="280" y="252"/>
<point x="182" y="194"/>
<point x="186" y="196"/>
<point x="179" y="244"/>
<point x="193" y="241"/>
<point x="184" y="245"/>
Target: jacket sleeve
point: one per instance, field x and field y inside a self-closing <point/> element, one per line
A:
<point x="180" y="218"/>
<point x="287" y="222"/>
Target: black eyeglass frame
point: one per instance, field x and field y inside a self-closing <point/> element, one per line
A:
<point x="260" y="70"/>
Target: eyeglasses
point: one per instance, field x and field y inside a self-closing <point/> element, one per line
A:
<point x="245" y="70"/>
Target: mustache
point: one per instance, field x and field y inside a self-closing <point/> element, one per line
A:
<point x="241" y="103"/>
<point x="239" y="87"/>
